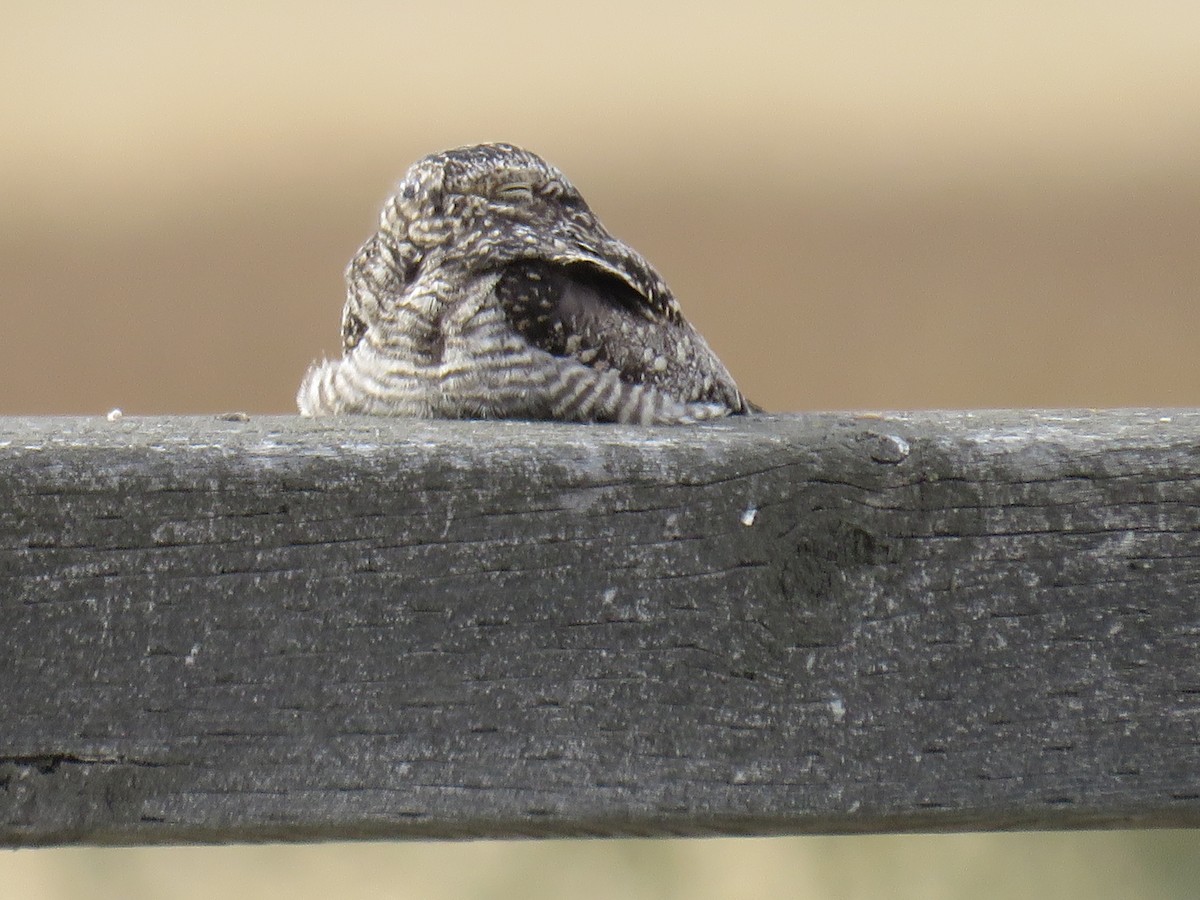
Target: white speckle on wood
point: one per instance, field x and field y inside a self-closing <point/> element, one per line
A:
<point x="837" y="706"/>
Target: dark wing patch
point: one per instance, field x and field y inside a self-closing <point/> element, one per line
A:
<point x="586" y="314"/>
<point x="583" y="285"/>
<point x="568" y="311"/>
<point x="353" y="328"/>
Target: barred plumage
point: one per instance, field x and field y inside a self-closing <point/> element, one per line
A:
<point x="492" y="291"/>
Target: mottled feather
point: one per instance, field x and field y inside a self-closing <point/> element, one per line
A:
<point x="491" y="290"/>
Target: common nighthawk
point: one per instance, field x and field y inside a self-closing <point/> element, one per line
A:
<point x="492" y="291"/>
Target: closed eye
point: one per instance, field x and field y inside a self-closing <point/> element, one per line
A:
<point x="515" y="191"/>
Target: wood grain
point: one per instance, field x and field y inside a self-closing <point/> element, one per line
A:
<point x="224" y="630"/>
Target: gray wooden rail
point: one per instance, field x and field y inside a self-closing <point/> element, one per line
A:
<point x="214" y="629"/>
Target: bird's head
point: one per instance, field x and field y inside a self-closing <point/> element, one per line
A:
<point x="476" y="210"/>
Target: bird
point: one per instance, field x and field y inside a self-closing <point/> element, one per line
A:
<point x="492" y="291"/>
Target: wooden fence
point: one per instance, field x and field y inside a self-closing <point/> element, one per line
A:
<point x="219" y="630"/>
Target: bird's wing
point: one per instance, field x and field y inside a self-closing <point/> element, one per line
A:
<point x="375" y="277"/>
<point x="597" y="318"/>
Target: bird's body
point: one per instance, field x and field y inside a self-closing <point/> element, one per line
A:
<point x="492" y="291"/>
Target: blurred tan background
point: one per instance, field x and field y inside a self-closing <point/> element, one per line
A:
<point x="876" y="205"/>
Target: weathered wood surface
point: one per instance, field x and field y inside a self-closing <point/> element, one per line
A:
<point x="224" y="630"/>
